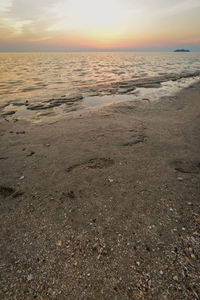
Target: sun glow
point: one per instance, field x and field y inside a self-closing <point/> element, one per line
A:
<point x="94" y="24"/>
<point x="102" y="21"/>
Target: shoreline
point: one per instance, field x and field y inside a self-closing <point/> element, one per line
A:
<point x="103" y="203"/>
<point x="86" y="97"/>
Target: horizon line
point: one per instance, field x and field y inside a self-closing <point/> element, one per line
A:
<point x="99" y="50"/>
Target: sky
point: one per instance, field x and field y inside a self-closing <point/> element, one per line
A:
<point x="76" y="25"/>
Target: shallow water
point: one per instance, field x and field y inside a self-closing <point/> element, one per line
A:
<point x="109" y="77"/>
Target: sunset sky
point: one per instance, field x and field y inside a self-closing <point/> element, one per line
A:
<point x="65" y="25"/>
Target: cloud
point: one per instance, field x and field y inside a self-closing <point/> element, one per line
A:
<point x="23" y="17"/>
<point x="5" y="5"/>
<point x="93" y="21"/>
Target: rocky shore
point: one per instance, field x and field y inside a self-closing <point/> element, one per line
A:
<point x="102" y="203"/>
<point x="71" y="102"/>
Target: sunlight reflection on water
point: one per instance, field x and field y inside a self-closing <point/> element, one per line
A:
<point x="36" y="77"/>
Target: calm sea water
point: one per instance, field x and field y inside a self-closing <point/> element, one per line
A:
<point x="36" y="77"/>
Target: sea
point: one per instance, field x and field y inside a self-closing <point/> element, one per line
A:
<point x="31" y="83"/>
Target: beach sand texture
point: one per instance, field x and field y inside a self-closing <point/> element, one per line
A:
<point x="104" y="203"/>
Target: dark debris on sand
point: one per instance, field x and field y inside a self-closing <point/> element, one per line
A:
<point x="105" y="206"/>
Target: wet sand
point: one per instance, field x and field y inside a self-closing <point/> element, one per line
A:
<point x="103" y="203"/>
<point x="93" y="95"/>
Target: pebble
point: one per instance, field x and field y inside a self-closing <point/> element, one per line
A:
<point x="198" y="220"/>
<point x="49" y="291"/>
<point x="161" y="272"/>
<point x="180" y="178"/>
<point x="29" y="277"/>
<point x="21" y="178"/>
<point x="59" y="243"/>
<point x="149" y="283"/>
<point x="175" y="278"/>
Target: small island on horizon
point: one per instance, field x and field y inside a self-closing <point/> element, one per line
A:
<point x="181" y="50"/>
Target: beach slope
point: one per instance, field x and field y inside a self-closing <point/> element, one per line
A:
<point x="103" y="204"/>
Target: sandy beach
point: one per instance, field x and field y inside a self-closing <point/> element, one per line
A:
<point x="103" y="203"/>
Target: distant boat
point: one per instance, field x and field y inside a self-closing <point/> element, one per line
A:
<point x="181" y="50"/>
